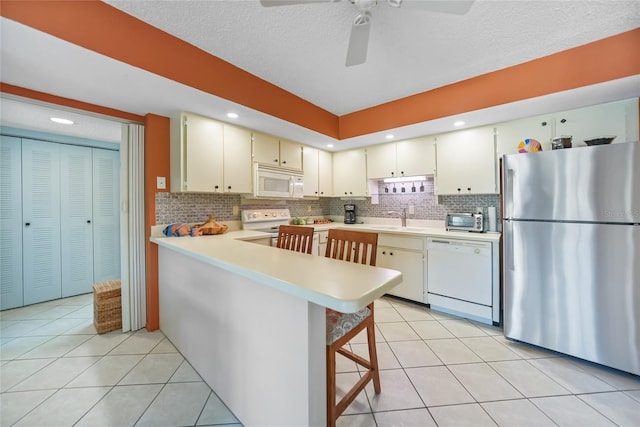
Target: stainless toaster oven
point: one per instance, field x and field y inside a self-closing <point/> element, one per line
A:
<point x="464" y="222"/>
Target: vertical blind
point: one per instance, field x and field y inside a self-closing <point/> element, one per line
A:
<point x="134" y="308"/>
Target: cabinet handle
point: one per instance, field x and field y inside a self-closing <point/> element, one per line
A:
<point x="284" y="162"/>
<point x="543" y="123"/>
<point x="384" y="253"/>
<point x="26" y="224"/>
<point x="468" y="188"/>
<point x="391" y="253"/>
<point x="88" y="221"/>
<point x="322" y="192"/>
<point x="459" y="190"/>
<point x="345" y="193"/>
<point x="275" y="160"/>
<point x="215" y="187"/>
<point x="316" y="192"/>
<point x="402" y="173"/>
<point x="563" y="120"/>
<point x="229" y="188"/>
<point x="393" y="173"/>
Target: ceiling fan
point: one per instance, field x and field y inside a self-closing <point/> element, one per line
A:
<point x="359" y="38"/>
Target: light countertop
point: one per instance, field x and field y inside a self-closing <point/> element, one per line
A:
<point x="343" y="286"/>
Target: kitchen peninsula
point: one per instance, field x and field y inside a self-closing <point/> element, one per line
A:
<point x="251" y="319"/>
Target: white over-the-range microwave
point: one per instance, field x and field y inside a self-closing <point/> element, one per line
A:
<point x="277" y="183"/>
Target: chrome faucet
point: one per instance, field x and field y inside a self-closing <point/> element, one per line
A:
<point x="403" y="216"/>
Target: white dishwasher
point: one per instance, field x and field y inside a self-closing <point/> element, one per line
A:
<point x="459" y="277"/>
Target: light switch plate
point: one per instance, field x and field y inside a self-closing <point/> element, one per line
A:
<point x="161" y="183"/>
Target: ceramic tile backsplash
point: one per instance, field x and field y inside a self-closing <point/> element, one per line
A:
<point x="185" y="207"/>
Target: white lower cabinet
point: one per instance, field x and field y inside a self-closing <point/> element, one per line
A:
<point x="59" y="220"/>
<point x="323" y="238"/>
<point x="405" y="254"/>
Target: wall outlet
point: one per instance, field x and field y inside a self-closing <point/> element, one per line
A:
<point x="161" y="183"/>
<point x="235" y="211"/>
<point x="308" y="208"/>
<point x="412" y="210"/>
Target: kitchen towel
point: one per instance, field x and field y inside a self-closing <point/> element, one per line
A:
<point x="492" y="218"/>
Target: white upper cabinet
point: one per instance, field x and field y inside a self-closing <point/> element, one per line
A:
<point x="310" y="164"/>
<point x="618" y="119"/>
<point x="318" y="170"/>
<point x="196" y="154"/>
<point x="509" y="135"/>
<point x="325" y="173"/>
<point x="381" y="161"/>
<point x="466" y="162"/>
<point x="410" y="157"/>
<point x="237" y="164"/>
<point x="270" y="150"/>
<point x="208" y="156"/>
<point x="416" y="156"/>
<point x="350" y="173"/>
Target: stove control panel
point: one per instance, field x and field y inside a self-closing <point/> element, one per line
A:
<point x="266" y="215"/>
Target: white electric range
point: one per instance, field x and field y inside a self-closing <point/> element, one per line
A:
<point x="268" y="221"/>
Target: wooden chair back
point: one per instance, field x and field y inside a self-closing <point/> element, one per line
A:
<point x="293" y="238"/>
<point x="353" y="246"/>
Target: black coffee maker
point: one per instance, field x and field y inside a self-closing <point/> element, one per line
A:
<point x="349" y="213"/>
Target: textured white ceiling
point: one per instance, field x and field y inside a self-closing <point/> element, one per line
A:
<point x="302" y="49"/>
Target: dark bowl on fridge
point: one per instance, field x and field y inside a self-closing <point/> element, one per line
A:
<point x="600" y="141"/>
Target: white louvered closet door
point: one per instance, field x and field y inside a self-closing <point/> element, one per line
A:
<point x="76" y="220"/>
<point x="41" y="221"/>
<point x="10" y="222"/>
<point x="106" y="215"/>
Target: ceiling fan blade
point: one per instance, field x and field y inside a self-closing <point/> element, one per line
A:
<point x="458" y="7"/>
<point x="359" y="40"/>
<point x="269" y="3"/>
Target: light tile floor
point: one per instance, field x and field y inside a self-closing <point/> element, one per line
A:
<point x="436" y="370"/>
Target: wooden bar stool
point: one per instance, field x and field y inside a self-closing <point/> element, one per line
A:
<point x="359" y="247"/>
<point x="298" y="239"/>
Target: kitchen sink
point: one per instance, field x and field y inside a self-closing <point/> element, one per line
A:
<point x="396" y="228"/>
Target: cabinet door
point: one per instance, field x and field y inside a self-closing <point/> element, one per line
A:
<point x="266" y="149"/>
<point x="237" y="160"/>
<point x="10" y="222"/>
<point x="76" y="215"/>
<point x="350" y="173"/>
<point x="381" y="161"/>
<point x="510" y="134"/>
<point x="591" y="122"/>
<point x="106" y="215"/>
<point x="310" y="168"/>
<point x="416" y="156"/>
<point x="466" y="162"/>
<point x="290" y="154"/>
<point x="41" y="221"/>
<point x="325" y="173"/>
<point x="410" y="264"/>
<point x="203" y="157"/>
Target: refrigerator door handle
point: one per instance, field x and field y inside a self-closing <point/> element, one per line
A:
<point x="509" y="184"/>
<point x="508" y="245"/>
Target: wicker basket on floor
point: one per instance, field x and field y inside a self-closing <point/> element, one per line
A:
<point x="107" y="306"/>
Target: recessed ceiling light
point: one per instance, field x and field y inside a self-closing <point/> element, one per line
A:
<point x="458" y="123"/>
<point x="390" y="136"/>
<point x="232" y="115"/>
<point x="61" y="120"/>
<point x="329" y="145"/>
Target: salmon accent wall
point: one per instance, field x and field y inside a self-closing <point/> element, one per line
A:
<point x="94" y="25"/>
<point x="106" y="30"/>
<point x="156" y="163"/>
<point x="607" y="59"/>
<point x="67" y="102"/>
